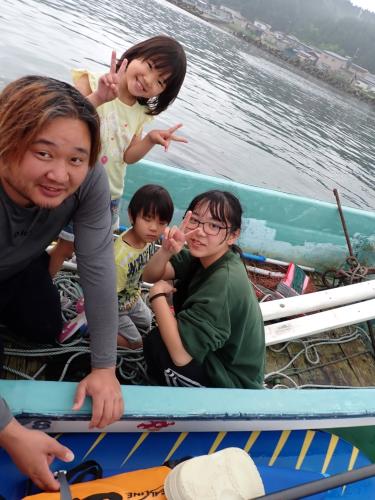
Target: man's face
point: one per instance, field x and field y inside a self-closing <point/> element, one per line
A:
<point x="52" y="168"/>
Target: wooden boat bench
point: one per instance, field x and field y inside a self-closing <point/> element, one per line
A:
<point x="346" y="305"/>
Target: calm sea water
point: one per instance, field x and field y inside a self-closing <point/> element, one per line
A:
<point x="246" y="117"/>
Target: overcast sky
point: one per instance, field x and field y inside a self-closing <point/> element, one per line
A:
<point x="365" y="4"/>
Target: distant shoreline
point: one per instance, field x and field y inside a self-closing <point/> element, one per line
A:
<point x="307" y="70"/>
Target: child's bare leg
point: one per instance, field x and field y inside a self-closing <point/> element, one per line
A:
<point x="63" y="250"/>
<point x="132" y="323"/>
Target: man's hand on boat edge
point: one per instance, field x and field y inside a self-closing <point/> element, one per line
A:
<point x="105" y="390"/>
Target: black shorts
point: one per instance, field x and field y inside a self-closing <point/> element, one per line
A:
<point x="30" y="303"/>
<point x="163" y="371"/>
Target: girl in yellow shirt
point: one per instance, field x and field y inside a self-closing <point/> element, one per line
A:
<point x="141" y="84"/>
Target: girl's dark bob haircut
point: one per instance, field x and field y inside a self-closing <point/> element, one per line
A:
<point x="223" y="205"/>
<point x="168" y="56"/>
<point x="151" y="200"/>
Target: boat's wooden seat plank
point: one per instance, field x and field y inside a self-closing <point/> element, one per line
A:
<point x="320" y="322"/>
<point x="360" y="360"/>
<point x="331" y="368"/>
<point x="292" y="306"/>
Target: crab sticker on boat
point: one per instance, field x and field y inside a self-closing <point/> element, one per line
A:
<point x="155" y="425"/>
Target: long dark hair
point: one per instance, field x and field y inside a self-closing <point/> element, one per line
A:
<point x="224" y="207"/>
<point x="168" y="56"/>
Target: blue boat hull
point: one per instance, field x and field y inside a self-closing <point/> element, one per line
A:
<point x="284" y="459"/>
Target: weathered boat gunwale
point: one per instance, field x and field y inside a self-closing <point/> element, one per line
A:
<point x="192" y="409"/>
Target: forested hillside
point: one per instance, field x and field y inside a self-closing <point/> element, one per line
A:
<point x="328" y="24"/>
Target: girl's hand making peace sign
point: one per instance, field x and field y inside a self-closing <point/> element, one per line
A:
<point x="108" y="86"/>
<point x="164" y="137"/>
<point x="175" y="237"/>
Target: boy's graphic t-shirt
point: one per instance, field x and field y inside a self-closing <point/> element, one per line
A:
<point x="119" y="123"/>
<point x="130" y="263"/>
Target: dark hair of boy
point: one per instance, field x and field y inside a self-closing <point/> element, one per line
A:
<point x="168" y="55"/>
<point x="151" y="200"/>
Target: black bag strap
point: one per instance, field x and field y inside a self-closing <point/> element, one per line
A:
<point x="78" y="473"/>
<point x="75" y="475"/>
<point x="65" y="493"/>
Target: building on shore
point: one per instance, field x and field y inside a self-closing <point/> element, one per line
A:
<point x="332" y="61"/>
<point x="339" y="70"/>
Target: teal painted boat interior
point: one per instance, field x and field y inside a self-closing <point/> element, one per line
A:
<point x="275" y="224"/>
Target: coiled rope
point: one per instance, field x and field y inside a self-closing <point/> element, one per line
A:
<point x="350" y="272"/>
<point x="130" y="364"/>
<point x="70" y="293"/>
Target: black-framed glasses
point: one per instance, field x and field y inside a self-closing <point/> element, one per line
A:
<point x="210" y="228"/>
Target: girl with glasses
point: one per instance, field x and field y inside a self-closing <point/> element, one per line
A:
<point x="216" y="336"/>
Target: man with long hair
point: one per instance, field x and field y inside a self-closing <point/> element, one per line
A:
<point x="49" y="143"/>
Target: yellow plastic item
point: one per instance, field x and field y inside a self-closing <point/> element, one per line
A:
<point x="140" y="484"/>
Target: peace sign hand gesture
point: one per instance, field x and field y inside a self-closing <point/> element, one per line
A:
<point x="108" y="86"/>
<point x="175" y="237"/>
<point x="164" y="137"/>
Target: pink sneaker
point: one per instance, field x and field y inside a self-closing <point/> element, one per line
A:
<point x="71" y="327"/>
